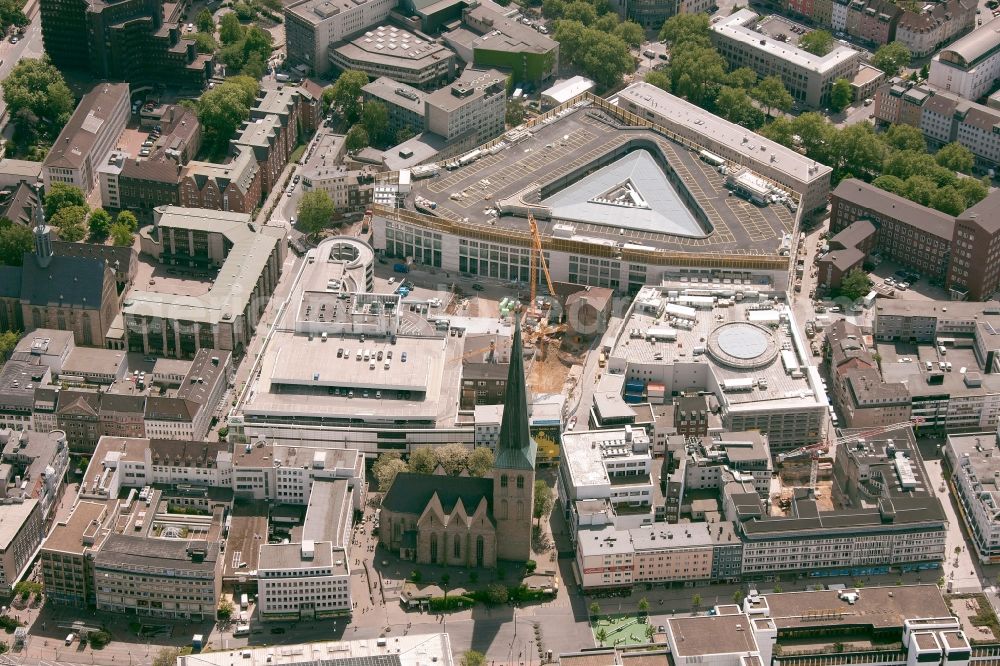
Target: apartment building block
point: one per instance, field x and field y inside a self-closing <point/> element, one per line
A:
<point x="312" y="26"/>
<point x="471" y="109"/>
<point x="139" y="41"/>
<point x="610" y="557"/>
<point x="908" y="233"/>
<point x="864" y="398"/>
<point x="975" y="265"/>
<point x="398" y="54"/>
<point x="807" y="77"/>
<point x="925" y="31"/>
<point x="405" y="104"/>
<point x="971" y="65"/>
<point x="973" y="462"/>
<point x="311" y="578"/>
<point x="87" y="139"/>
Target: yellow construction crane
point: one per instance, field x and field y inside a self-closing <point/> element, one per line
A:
<point x="492" y="348"/>
<point x="537" y="257"/>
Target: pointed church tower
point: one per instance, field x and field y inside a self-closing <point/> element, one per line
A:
<point x="514" y="470"/>
<point x="43" y="234"/>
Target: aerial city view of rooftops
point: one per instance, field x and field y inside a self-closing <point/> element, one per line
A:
<point x="493" y="333"/>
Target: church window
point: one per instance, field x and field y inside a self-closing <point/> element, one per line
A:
<point x="434" y="549"/>
<point x="520" y="482"/>
<point x="520" y="511"/>
<point x="480" y="551"/>
<point x="458" y="548"/>
<point x="503" y="480"/>
<point x="503" y="509"/>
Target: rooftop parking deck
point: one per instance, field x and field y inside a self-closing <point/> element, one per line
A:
<point x="530" y="167"/>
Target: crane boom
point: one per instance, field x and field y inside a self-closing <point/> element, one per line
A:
<point x="881" y="430"/>
<point x="537" y="257"/>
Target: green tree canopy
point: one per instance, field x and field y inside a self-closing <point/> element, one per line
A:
<point x="603" y="56"/>
<point x="68" y="216"/>
<point x="855" y="284"/>
<point x="357" y="137"/>
<point x="375" y="118"/>
<point x="315" y="211"/>
<point x="205" y="22"/>
<point x="736" y="106"/>
<point x="920" y="189"/>
<point x="840" y="95"/>
<point x="497" y="594"/>
<point x="345" y="94"/>
<point x="8" y="340"/>
<point x="473" y="658"/>
<point x="15" y="240"/>
<point x="772" y="94"/>
<point x="659" y="79"/>
<point x="890" y="183"/>
<point x="385" y="469"/>
<point x="742" y="77"/>
<point x="948" y="200"/>
<point x="226" y="609"/>
<point x="685" y="29"/>
<point x="972" y="190"/>
<point x="480" y="461"/>
<point x="816" y="136"/>
<point x="630" y="32"/>
<point x="230" y="30"/>
<point x="780" y="129"/>
<point x="100" y="224"/>
<point x="697" y="73"/>
<point x="121" y="234"/>
<point x="12" y="14"/>
<point x="128" y="218"/>
<point x="858" y="150"/>
<point x="891" y="58"/>
<point x="553" y="9"/>
<point x="222" y="109"/>
<point x="817" y="42"/>
<point x="204" y="42"/>
<point x="514" y="115"/>
<point x="956" y="157"/>
<point x="543" y="500"/>
<point x="423" y="461"/>
<point x="905" y="137"/>
<point x="36" y="88"/>
<point x="452" y="457"/>
<point x="581" y="11"/>
<point x="62" y="195"/>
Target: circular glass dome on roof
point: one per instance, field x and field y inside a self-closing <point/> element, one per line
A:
<point x="742" y="345"/>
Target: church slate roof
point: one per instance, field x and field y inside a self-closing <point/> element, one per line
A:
<point x="67" y="281"/>
<point x="410" y="493"/>
<point x="515" y="447"/>
<point x="10" y="281"/>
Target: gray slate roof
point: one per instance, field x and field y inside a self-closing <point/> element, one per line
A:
<point x="410" y="493"/>
<point x="76" y="281"/>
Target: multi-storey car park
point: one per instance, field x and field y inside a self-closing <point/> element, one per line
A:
<point x="619" y="198"/>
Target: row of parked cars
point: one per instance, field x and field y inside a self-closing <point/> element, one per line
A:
<point x="147" y="145"/>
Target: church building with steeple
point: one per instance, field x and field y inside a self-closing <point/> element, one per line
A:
<point x="467" y="521"/>
<point x="67" y="293"/>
